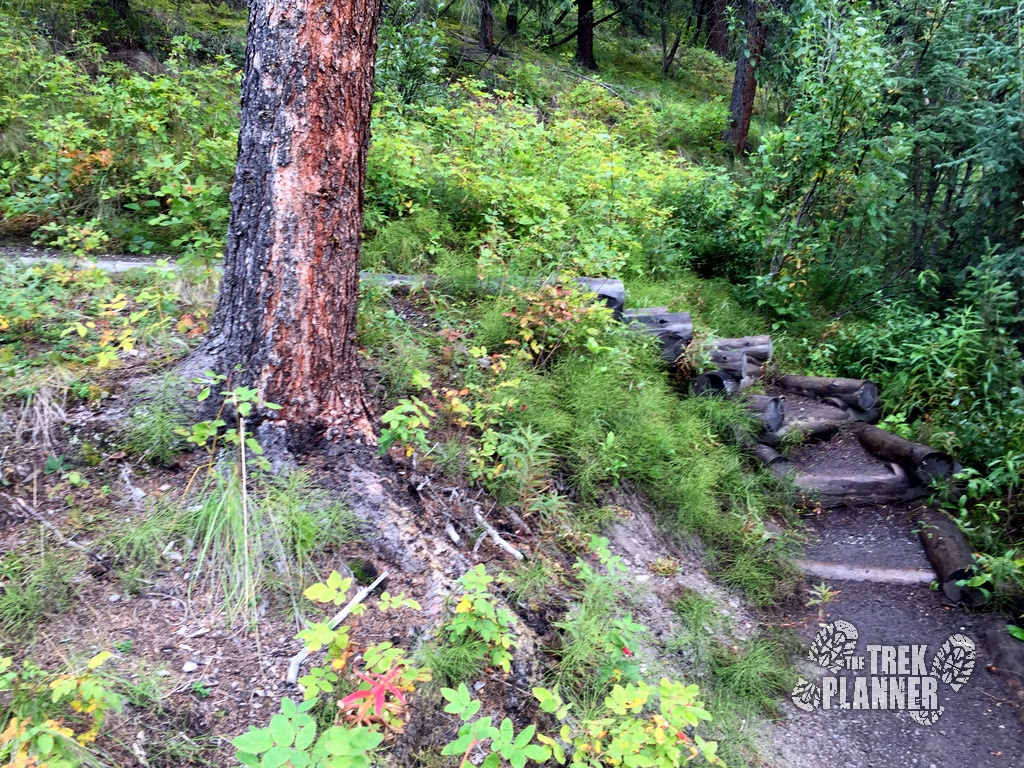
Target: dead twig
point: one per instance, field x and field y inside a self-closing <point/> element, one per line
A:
<point x="496" y="537"/>
<point x="22" y="506"/>
<point x="296" y="660"/>
<point x="452" y="533"/>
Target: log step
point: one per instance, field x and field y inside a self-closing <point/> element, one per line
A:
<point x="757" y="347"/>
<point x="950" y="555"/>
<point x="860" y="393"/>
<point x="922" y="461"/>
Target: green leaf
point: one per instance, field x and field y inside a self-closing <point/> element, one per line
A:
<point x="537" y="753"/>
<point x="458" y="746"/>
<point x="363" y="739"/>
<point x="1016" y="631"/>
<point x="44" y="743"/>
<point x="305" y="737"/>
<point x="203" y="395"/>
<point x="281" y="730"/>
<point x="525" y="736"/>
<point x="506" y="732"/>
<point x="276" y="757"/>
<point x="255" y="740"/>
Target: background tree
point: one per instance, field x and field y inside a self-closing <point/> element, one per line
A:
<point x="285" y="318"/>
<point x="487" y="26"/>
<point x="717" y="28"/>
<point x="741" y="106"/>
<point x="585" y="34"/>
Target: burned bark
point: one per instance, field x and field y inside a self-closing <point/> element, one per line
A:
<point x="512" y="20"/>
<point x="487" y="26"/>
<point x="718" y="30"/>
<point x="285" y="318"/>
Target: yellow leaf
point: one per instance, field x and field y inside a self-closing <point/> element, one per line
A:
<point x="464" y="606"/>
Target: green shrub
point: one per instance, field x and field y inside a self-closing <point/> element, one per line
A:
<point x="692" y="125"/>
<point x="141" y="160"/>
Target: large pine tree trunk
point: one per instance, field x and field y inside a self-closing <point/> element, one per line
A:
<point x="285" y="318"/>
<point x="743" y="87"/>
<point x="585" y="35"/>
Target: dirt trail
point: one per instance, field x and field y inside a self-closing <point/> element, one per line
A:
<point x="977" y="728"/>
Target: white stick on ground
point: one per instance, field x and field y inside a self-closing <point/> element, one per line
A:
<point x="301" y="656"/>
<point x="496" y="538"/>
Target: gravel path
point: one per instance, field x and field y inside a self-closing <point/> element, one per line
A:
<point x="978" y="727"/>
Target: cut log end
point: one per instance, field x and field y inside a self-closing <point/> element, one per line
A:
<point x="950" y="555"/>
<point x="770" y="409"/>
<point x="714" y="383"/>
<point x="922" y="461"/>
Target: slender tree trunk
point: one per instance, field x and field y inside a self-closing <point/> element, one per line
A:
<point x="744" y="85"/>
<point x="585" y="35"/>
<point x="718" y="30"/>
<point x="486" y="26"/>
<point x="668" y="55"/>
<point x="285" y="318"/>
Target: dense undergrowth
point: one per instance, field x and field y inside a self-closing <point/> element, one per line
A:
<point x="833" y="236"/>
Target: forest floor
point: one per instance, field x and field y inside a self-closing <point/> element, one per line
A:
<point x="196" y="683"/>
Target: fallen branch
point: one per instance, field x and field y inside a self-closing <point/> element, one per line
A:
<point x="296" y="660"/>
<point x="24" y="507"/>
<point x="497" y="538"/>
<point x="597" y="83"/>
<point x="453" y="534"/>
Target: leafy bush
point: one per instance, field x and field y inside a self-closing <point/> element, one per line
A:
<point x="409" y="55"/>
<point x="52" y="719"/>
<point x="141" y="160"/>
<point x="537" y="197"/>
<point x="686" y="125"/>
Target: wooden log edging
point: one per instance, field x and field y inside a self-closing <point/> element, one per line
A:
<point x="734" y="362"/>
<point x="674" y="330"/>
<point x="771" y="410"/>
<point x="922" y="461"/>
<point x="860" y="393"/>
<point x="714" y="383"/>
<point x="886" y="483"/>
<point x="950" y="555"/>
<point x="758" y="347"/>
